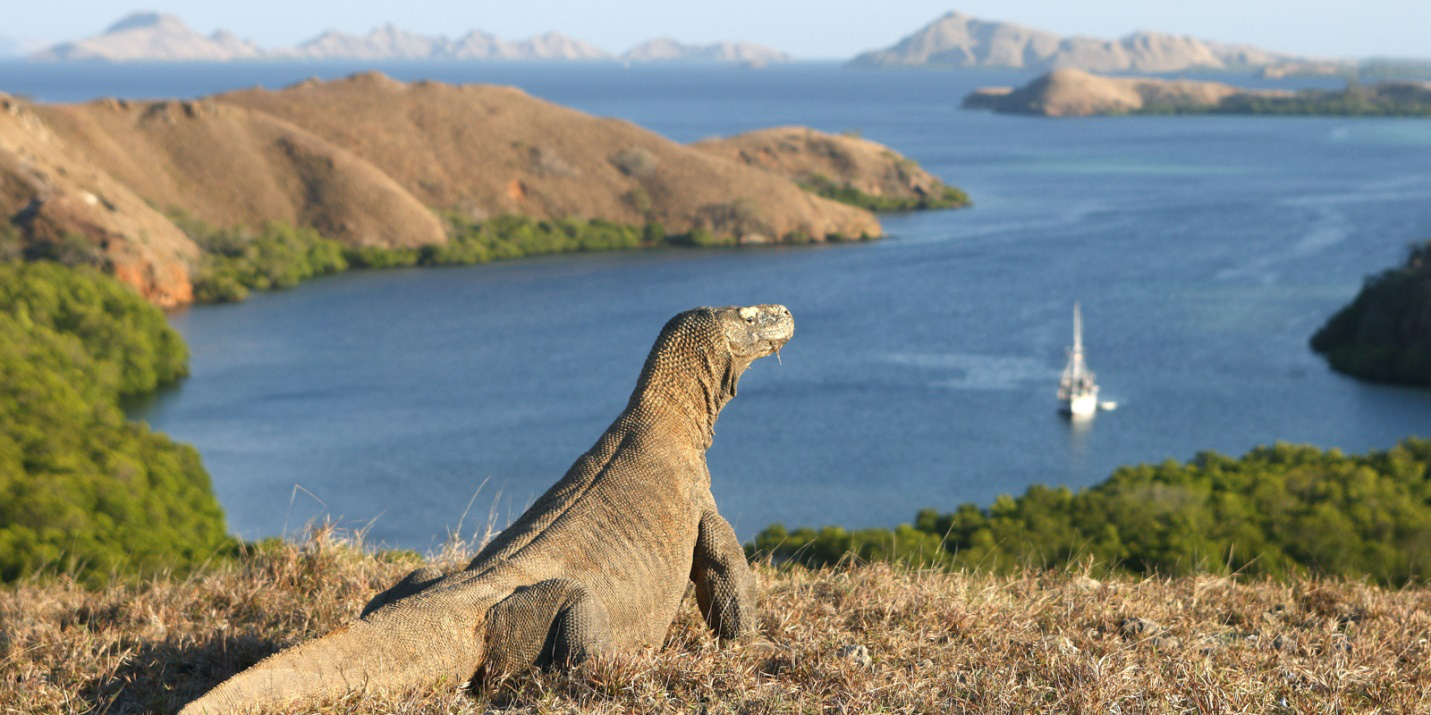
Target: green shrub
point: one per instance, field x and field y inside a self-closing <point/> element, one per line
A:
<point x="279" y="256"/>
<point x="83" y="491"/>
<point x="379" y="257"/>
<point x="1275" y="512"/>
<point x="132" y="346"/>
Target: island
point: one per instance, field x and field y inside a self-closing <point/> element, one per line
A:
<point x="157" y="192"/>
<point x="956" y="40"/>
<point x="1384" y="334"/>
<point x="1070" y="92"/>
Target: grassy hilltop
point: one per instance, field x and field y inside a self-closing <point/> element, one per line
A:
<point x="936" y="642"/>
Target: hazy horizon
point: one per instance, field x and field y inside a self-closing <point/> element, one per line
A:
<point x="833" y="29"/>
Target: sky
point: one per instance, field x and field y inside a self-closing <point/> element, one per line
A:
<point x="810" y="29"/>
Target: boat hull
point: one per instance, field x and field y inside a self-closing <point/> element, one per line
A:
<point x="1079" y="405"/>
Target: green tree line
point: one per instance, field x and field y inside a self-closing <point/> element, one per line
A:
<point x="1277" y="511"/>
<point x="1387" y="99"/>
<point x="236" y="260"/>
<point x="83" y="491"/>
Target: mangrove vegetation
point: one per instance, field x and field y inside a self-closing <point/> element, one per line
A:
<point x="1384" y="334"/>
<point x="83" y="491"/>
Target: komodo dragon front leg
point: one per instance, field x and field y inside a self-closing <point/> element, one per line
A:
<point x="725" y="588"/>
<point x="551" y="623"/>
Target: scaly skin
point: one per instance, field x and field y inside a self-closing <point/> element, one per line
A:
<point x="599" y="563"/>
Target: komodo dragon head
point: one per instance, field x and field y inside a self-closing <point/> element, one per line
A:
<point x="701" y="354"/>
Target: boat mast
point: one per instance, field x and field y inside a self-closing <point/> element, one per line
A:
<point x="1076" y="377"/>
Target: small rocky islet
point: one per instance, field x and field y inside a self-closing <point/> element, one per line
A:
<point x="1070" y="92"/>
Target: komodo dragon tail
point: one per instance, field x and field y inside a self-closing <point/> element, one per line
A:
<point x="384" y="652"/>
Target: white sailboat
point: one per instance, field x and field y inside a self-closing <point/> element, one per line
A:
<point x="1077" y="391"/>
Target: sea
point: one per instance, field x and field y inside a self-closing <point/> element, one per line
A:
<point x="418" y="405"/>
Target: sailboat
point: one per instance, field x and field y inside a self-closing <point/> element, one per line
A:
<point x="1077" y="391"/>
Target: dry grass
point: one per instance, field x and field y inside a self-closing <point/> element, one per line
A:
<point x="936" y="642"/>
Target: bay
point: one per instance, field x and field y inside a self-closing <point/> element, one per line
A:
<point x="1204" y="251"/>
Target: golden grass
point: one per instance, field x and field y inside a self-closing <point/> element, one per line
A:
<point x="937" y="642"/>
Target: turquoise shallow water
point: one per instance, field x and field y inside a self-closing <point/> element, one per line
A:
<point x="1204" y="250"/>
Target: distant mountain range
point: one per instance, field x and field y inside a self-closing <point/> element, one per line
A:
<point x="150" y="36"/>
<point x="957" y="40"/>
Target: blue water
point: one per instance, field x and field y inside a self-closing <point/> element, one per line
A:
<point x="1204" y="250"/>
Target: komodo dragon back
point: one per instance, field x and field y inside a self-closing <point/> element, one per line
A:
<point x="599" y="563"/>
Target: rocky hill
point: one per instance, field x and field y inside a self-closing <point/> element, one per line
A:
<point x="71" y="209"/>
<point x="368" y="161"/>
<point x="150" y="36"/>
<point x="859" y="639"/>
<point x="489" y="150"/>
<point x="1072" y="92"/>
<point x="841" y="166"/>
<point x="1384" y="334"/>
<point x="958" y="40"/>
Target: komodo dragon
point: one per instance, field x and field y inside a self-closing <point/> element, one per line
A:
<point x="599" y="563"/>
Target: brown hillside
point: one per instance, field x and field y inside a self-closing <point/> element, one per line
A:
<point x="65" y="204"/>
<point x="368" y="161"/>
<point x="492" y="150"/>
<point x="231" y="166"/>
<point x="802" y="154"/>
